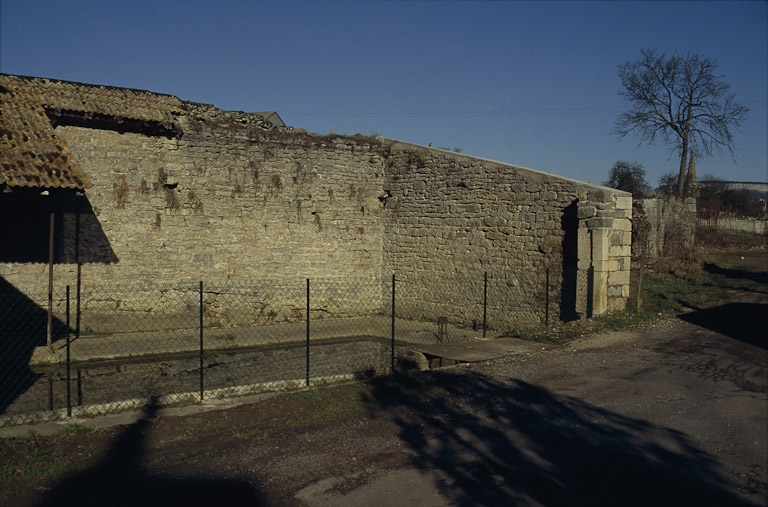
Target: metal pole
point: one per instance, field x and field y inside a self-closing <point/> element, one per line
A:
<point x="69" y="387"/>
<point x="77" y="300"/>
<point x="49" y="334"/>
<point x="546" y="310"/>
<point x="392" y="354"/>
<point x="485" y="303"/>
<point x="201" y="341"/>
<point x="307" y="332"/>
<point x="79" y="268"/>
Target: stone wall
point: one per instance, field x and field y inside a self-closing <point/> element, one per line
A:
<point x="753" y="226"/>
<point x="451" y="218"/>
<point x="230" y="203"/>
<point x="225" y="204"/>
<point x="666" y="227"/>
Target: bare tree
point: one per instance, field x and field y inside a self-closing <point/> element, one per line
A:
<point x="628" y="176"/>
<point x="683" y="101"/>
<point x="667" y="181"/>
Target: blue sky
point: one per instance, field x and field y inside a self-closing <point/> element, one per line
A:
<point x="529" y="83"/>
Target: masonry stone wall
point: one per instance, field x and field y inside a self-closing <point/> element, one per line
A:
<point x="667" y="227"/>
<point x="449" y="219"/>
<point x="737" y="224"/>
<point x="229" y="203"/>
<point x="226" y="205"/>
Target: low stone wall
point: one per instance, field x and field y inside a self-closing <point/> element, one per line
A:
<point x="665" y="227"/>
<point x="734" y="224"/>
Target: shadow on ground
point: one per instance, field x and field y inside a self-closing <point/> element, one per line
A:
<point x="120" y="480"/>
<point x="513" y="443"/>
<point x="745" y="322"/>
<point x="737" y="274"/>
<point x="23" y="327"/>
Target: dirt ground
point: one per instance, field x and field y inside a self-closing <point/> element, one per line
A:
<point x="672" y="413"/>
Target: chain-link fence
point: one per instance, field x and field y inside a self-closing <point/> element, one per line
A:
<point x="99" y="352"/>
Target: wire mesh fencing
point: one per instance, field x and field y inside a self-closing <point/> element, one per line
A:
<point x="91" y="352"/>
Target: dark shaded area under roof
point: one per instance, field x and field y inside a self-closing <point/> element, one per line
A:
<point x="33" y="156"/>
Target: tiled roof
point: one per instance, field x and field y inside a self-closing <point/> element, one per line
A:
<point x="31" y="155"/>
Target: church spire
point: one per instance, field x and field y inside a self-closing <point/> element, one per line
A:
<point x="692" y="181"/>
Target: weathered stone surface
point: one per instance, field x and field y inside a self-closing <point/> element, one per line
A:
<point x="668" y="224"/>
<point x="224" y="204"/>
<point x="587" y="212"/>
<point x="623" y="202"/>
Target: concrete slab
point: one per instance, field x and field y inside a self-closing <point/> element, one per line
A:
<point x="481" y="350"/>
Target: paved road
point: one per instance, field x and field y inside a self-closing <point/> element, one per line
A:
<point x="676" y="414"/>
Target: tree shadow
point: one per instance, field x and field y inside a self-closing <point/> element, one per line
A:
<point x="745" y="322"/>
<point x="514" y="443"/>
<point x="119" y="479"/>
<point x="738" y="274"/>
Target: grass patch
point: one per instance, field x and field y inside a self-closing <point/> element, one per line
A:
<point x="211" y="421"/>
<point x="568" y="331"/>
<point x="677" y="291"/>
<point x="31" y="462"/>
<point x="319" y="407"/>
<point x="710" y="237"/>
<point x="72" y="430"/>
<point x="308" y="395"/>
<point x="672" y="287"/>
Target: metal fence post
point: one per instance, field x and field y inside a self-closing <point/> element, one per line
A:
<point x="485" y="303"/>
<point x="392" y="349"/>
<point x="69" y="386"/>
<point x="201" y="342"/>
<point x="307" y="332"/>
<point x="77" y="302"/>
<point x="546" y="298"/>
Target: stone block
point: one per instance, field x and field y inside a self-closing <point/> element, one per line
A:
<point x="584" y="249"/>
<point x="622" y="224"/>
<point x="600" y="293"/>
<point x="597" y="222"/>
<point x="614" y="291"/>
<point x="623" y="202"/>
<point x="622" y="213"/>
<point x="618" y="278"/>
<point x="586" y="212"/>
<point x="600" y="195"/>
<point x="620" y="251"/>
<point x="601" y="265"/>
<point x="600" y="245"/>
